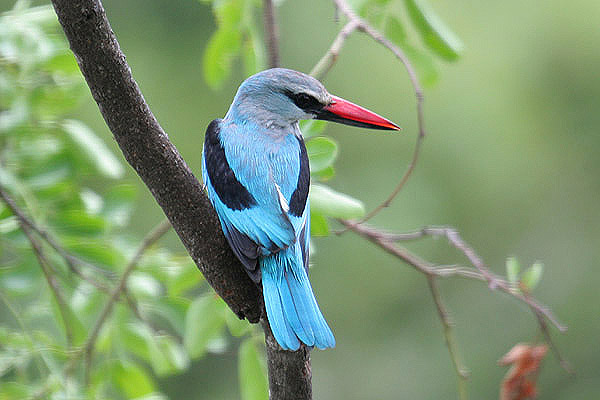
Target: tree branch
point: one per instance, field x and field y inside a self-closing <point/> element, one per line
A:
<point x="290" y="373"/>
<point x="148" y="241"/>
<point x="63" y="308"/>
<point x="154" y="158"/>
<point x="386" y="242"/>
<point x="72" y="261"/>
<point x="271" y="32"/>
<point x="364" y="26"/>
<point x="330" y="57"/>
<point x="461" y="372"/>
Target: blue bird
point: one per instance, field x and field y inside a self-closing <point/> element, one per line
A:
<point x="256" y="172"/>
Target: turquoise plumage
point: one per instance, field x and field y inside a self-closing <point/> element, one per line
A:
<point x="256" y="172"/>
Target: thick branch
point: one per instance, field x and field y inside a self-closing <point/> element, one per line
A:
<point x="290" y="374"/>
<point x="148" y="149"/>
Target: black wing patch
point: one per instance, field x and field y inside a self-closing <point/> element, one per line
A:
<point x="231" y="192"/>
<point x="245" y="250"/>
<point x="303" y="246"/>
<point x="298" y="199"/>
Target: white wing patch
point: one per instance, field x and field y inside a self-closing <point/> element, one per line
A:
<point x="282" y="201"/>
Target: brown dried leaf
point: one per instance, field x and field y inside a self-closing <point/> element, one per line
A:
<point x="520" y="381"/>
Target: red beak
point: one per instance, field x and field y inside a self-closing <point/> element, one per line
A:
<point x="348" y="113"/>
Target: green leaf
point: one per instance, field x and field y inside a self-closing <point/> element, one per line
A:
<point x="237" y="327"/>
<point x="252" y="372"/>
<point x="133" y="337"/>
<point x="395" y="31"/>
<point x="94" y="148"/>
<point x="512" y="269"/>
<point x="222" y="47"/>
<point x="228" y="13"/>
<point x="78" y="223"/>
<point x="9" y="224"/>
<point x="325" y="174"/>
<point x="95" y="251"/>
<point x="330" y="203"/>
<point x="253" y="52"/>
<point x="141" y="284"/>
<point x="182" y="277"/>
<point x="203" y="321"/>
<point x="312" y="127"/>
<point x="322" y="152"/>
<point x="131" y="379"/>
<point x="318" y="224"/>
<point x="119" y="203"/>
<point x="77" y="329"/>
<point x="532" y="276"/>
<point x="172" y="309"/>
<point x="15" y="390"/>
<point x="166" y="356"/>
<point x="64" y="63"/>
<point x="434" y="33"/>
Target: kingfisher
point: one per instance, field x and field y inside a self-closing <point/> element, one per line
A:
<point x="256" y="172"/>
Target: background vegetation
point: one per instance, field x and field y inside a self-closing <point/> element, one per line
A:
<point x="510" y="160"/>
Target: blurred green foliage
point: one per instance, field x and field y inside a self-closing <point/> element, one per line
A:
<point x="511" y="160"/>
<point x="65" y="179"/>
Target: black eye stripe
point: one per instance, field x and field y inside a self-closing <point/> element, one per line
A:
<point x="305" y="101"/>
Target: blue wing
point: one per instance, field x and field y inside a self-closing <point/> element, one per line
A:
<point x="253" y="187"/>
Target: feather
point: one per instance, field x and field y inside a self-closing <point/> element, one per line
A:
<point x="256" y="172"/>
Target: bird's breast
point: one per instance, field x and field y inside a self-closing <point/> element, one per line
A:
<point x="261" y="161"/>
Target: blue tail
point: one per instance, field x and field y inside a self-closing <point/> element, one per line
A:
<point x="292" y="310"/>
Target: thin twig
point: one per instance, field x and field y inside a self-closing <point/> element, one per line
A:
<point x="461" y="372"/>
<point x="566" y="365"/>
<point x="365" y="27"/>
<point x="52" y="283"/>
<point x="150" y="239"/>
<point x="40" y="361"/>
<point x="271" y="33"/>
<point x="330" y="57"/>
<point x="482" y="273"/>
<point x="455" y="240"/>
<point x="71" y="260"/>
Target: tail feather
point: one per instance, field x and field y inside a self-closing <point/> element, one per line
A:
<point x="292" y="309"/>
<point x="283" y="332"/>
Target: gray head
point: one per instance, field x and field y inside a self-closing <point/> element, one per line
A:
<point x="279" y="97"/>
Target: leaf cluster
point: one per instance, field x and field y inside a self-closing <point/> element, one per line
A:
<point x="66" y="181"/>
<point x="413" y="26"/>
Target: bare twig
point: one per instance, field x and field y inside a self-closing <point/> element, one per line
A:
<point x="461" y="372"/>
<point x="330" y="57"/>
<point x="71" y="260"/>
<point x="384" y="241"/>
<point x="40" y="362"/>
<point x="271" y="32"/>
<point x="52" y="283"/>
<point x="148" y="241"/>
<point x="566" y="365"/>
<point x="365" y="27"/>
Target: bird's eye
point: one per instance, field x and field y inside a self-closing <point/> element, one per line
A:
<point x="305" y="101"/>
